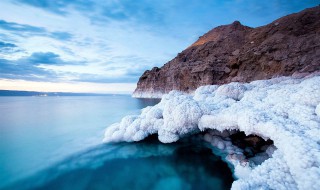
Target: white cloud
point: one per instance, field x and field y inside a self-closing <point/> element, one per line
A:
<point x="98" y="45"/>
<point x="86" y="87"/>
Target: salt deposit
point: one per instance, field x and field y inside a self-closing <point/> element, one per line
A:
<point x="284" y="109"/>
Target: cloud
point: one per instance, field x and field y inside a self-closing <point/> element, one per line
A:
<point x="7" y="45"/>
<point x="48" y="66"/>
<point x="106" y="79"/>
<point x="7" y="48"/>
<point x="29" y="67"/>
<point x="124" y="74"/>
<point x="120" y="70"/>
<point x="114" y="41"/>
<point x="64" y="36"/>
<point x="20" y="27"/>
<point x="53" y="6"/>
<point x="21" y="70"/>
<point x="38" y="58"/>
<point x="143" y="10"/>
<point x="28" y="30"/>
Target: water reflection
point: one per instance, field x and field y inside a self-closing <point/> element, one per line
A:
<point x="144" y="102"/>
<point x="144" y="165"/>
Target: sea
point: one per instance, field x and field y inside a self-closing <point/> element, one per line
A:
<point x="55" y="142"/>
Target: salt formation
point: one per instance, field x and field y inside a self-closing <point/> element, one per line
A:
<point x="284" y="109"/>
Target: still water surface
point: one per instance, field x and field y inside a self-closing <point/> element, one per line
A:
<point x="55" y="143"/>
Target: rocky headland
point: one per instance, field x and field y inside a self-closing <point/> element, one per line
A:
<point x="289" y="46"/>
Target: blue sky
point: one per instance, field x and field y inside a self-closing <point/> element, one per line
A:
<point x="105" y="45"/>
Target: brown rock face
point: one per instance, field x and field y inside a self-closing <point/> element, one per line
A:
<point x="229" y="53"/>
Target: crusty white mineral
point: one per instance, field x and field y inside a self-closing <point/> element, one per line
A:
<point x="285" y="109"/>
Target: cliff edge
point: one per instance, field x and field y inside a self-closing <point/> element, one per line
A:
<point x="289" y="46"/>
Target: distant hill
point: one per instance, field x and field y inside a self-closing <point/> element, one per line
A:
<point x="33" y="93"/>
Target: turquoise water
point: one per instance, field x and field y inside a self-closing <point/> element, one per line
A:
<point x="55" y="143"/>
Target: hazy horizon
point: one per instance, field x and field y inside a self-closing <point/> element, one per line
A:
<point x="54" y="93"/>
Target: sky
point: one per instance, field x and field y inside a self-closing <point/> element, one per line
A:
<point x="104" y="46"/>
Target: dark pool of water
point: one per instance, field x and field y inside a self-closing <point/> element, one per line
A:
<point x="140" y="166"/>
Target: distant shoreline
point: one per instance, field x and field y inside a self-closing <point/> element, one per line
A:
<point x="44" y="94"/>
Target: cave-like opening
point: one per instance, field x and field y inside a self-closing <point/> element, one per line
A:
<point x="237" y="147"/>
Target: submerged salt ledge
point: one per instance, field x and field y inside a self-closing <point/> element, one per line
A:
<point x="284" y="109"/>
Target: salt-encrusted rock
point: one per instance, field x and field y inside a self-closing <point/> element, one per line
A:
<point x="285" y="110"/>
<point x="236" y="53"/>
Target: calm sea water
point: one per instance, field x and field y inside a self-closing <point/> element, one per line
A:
<point x="55" y="143"/>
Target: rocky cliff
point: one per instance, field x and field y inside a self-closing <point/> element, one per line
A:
<point x="237" y="53"/>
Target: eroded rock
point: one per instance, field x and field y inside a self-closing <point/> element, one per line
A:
<point x="237" y="53"/>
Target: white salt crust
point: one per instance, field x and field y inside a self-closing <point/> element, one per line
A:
<point x="284" y="109"/>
